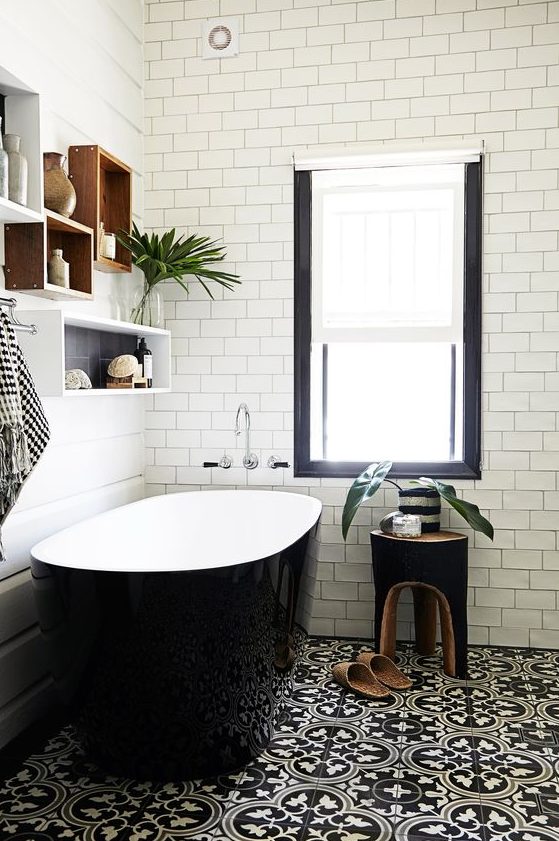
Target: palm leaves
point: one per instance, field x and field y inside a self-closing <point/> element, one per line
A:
<point x="166" y="257"/>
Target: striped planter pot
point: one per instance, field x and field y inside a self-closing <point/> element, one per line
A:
<point x="422" y="501"/>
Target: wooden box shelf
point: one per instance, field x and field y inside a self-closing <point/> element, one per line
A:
<point x="29" y="246"/>
<point x="103" y="187"/>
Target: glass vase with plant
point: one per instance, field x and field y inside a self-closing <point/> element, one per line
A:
<point x="173" y="257"/>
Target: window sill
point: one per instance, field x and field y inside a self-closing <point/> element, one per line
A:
<point x="400" y="470"/>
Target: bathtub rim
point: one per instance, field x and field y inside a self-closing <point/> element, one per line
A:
<point x="45" y="550"/>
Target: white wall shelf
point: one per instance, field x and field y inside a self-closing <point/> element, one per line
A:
<point x="15" y="213"/>
<point x="22" y="112"/>
<point x="48" y="355"/>
<point x="112" y="392"/>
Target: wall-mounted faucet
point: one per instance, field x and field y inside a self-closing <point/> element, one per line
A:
<point x="250" y="460"/>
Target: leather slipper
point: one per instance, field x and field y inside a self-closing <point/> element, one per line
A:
<point x="360" y="679"/>
<point x="384" y="670"/>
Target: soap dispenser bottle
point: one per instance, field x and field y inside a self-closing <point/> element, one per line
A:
<point x="145" y="358"/>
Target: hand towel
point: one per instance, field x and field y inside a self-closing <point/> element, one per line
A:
<point x="24" y="430"/>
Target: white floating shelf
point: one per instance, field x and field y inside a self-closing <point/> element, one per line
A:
<point x="111" y="325"/>
<point x="47" y="354"/>
<point x="111" y="392"/>
<point x="12" y="212"/>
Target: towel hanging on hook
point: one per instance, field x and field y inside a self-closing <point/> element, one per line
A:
<point x="24" y="429"/>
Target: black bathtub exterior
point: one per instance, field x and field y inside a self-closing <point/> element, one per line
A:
<point x="171" y="675"/>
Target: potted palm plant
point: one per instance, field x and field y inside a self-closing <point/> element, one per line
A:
<point x="171" y="257"/>
<point x="368" y="483"/>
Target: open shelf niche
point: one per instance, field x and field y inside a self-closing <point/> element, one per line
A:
<point x="103" y="187"/>
<point x="68" y="340"/>
<point x="22" y="116"/>
<point x="29" y="246"/>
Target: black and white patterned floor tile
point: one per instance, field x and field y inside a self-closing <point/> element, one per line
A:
<point x="474" y="760"/>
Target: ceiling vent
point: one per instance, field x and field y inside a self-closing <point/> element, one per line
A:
<point x="220" y="37"/>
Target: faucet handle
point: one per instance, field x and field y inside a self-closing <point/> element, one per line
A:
<point x="274" y="463"/>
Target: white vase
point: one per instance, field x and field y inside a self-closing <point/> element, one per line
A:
<point x="3" y="168"/>
<point x="17" y="169"/>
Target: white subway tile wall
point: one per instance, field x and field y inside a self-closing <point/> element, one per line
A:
<point x="220" y="137"/>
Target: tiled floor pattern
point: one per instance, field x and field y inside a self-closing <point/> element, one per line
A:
<point x="474" y="760"/>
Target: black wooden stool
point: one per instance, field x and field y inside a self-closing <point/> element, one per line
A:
<point x="435" y="566"/>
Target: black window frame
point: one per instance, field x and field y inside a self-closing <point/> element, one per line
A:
<point x="470" y="466"/>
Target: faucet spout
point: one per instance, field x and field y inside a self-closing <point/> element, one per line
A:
<point x="250" y="460"/>
<point x="242" y="412"/>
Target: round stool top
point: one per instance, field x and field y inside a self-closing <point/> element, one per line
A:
<point x="427" y="537"/>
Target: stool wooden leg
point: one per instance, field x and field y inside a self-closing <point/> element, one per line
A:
<point x="448" y="640"/>
<point x="387" y="644"/>
<point x="425" y="613"/>
<point x="382" y="589"/>
<point x="459" y="628"/>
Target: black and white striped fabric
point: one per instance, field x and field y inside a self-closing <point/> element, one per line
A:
<point x="24" y="430"/>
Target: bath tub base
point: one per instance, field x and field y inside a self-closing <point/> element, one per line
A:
<point x="167" y="658"/>
<point x="186" y="686"/>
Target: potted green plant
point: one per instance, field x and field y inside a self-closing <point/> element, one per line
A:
<point x="368" y="483"/>
<point x="172" y="257"/>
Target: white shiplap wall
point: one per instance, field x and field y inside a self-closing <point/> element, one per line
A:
<point x="85" y="60"/>
<point x="330" y="73"/>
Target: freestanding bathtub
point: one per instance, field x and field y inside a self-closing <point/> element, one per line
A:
<point x="163" y="620"/>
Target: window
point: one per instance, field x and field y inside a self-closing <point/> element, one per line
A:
<point x="387" y="315"/>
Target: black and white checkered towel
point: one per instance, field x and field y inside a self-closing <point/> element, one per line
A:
<point x="24" y="430"/>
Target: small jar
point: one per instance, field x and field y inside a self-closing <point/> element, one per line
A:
<point x="107" y="246"/>
<point x="406" y="525"/>
<point x="58" y="270"/>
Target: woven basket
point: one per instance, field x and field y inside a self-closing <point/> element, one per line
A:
<point x="422" y="501"/>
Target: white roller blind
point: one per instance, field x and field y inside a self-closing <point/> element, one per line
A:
<point x="387" y="254"/>
<point x="387" y="156"/>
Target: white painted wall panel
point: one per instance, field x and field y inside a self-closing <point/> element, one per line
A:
<point x="25" y="708"/>
<point x="82" y="466"/>
<point x="18" y="610"/>
<point x="22" y="663"/>
<point x="85" y="61"/>
<point x="26" y="527"/>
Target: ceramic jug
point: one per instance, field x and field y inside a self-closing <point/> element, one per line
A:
<point x="60" y="195"/>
